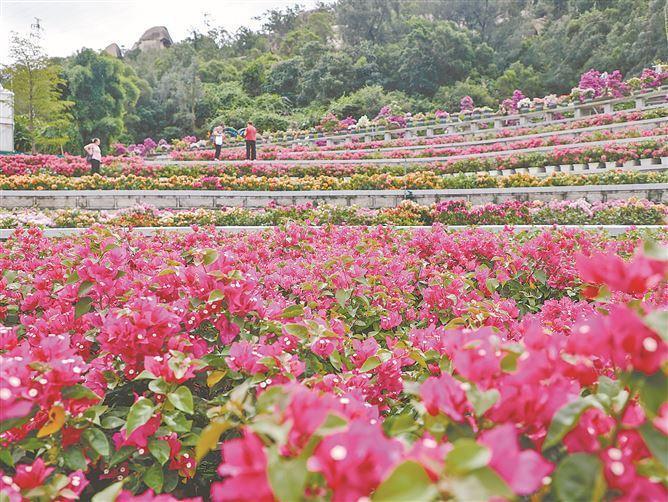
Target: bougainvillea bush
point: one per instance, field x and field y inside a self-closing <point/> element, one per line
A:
<point x="333" y="364"/>
<point x="570" y="212"/>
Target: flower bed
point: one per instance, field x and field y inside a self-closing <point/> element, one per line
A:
<point x="580" y="212"/>
<point x="336" y="363"/>
<point x="434" y="148"/>
<point x="412" y="181"/>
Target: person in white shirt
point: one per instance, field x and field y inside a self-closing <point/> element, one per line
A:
<point x="93" y="155"/>
<point x="218" y="138"/>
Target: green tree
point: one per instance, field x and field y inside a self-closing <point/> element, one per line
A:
<point x="37" y="87"/>
<point x="521" y="77"/>
<point x="104" y="91"/>
<point x="432" y="54"/>
<point x="253" y="78"/>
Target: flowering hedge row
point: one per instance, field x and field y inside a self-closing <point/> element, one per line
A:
<point x="339" y="363"/>
<point x="432" y="150"/>
<point x="580" y="212"/>
<point x="612" y="154"/>
<point x="411" y="181"/>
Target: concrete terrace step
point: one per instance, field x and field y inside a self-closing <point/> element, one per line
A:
<point x="644" y="125"/>
<point x="5" y="233"/>
<point x="185" y="199"/>
<point x="409" y="160"/>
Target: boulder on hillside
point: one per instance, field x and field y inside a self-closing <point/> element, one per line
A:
<point x="154" y="38"/>
<point x="113" y="50"/>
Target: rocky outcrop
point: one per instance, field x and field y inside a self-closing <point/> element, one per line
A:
<point x="154" y="38"/>
<point x="113" y="50"/>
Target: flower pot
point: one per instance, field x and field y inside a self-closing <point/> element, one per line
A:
<point x="539" y="108"/>
<point x="611" y="164"/>
<point x="578" y="168"/>
<point x="524" y="110"/>
<point x="552" y="106"/>
<point x="595" y="165"/>
<point x="535" y="170"/>
<point x="647" y="162"/>
<point x="443" y="121"/>
<point x="550" y="169"/>
<point x="507" y="172"/>
<point x="475" y="116"/>
<point x="565" y="168"/>
<point x="629" y="164"/>
<point x="522" y="170"/>
<point x="664" y="161"/>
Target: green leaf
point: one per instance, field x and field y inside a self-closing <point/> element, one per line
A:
<point x="160" y="450"/>
<point x="408" y="481"/>
<point x="6" y="457"/>
<point x="656" y="441"/>
<point x="177" y="422"/>
<point x="466" y="456"/>
<point x="139" y="414"/>
<point x="482" y="401"/>
<point x="109" y="494"/>
<point x="579" y="477"/>
<point x="82" y="306"/>
<point x="292" y="311"/>
<point x="79" y="391"/>
<point x="159" y="386"/>
<point x="112" y="422"/>
<point x="71" y="279"/>
<point x="85" y="287"/>
<point x="371" y="363"/>
<point x="342" y="296"/>
<point x="121" y="455"/>
<point x="480" y="484"/>
<point x="287" y="477"/>
<point x="154" y="477"/>
<point x="182" y="399"/>
<point x="655" y="250"/>
<point x="492" y="284"/>
<point x="653" y="391"/>
<point x="74" y="459"/>
<point x="216" y="295"/>
<point x="657" y="321"/>
<point x="97" y="440"/>
<point x="209" y="256"/>
<point x="566" y="418"/>
<point x="297" y="330"/>
<point x="171" y="481"/>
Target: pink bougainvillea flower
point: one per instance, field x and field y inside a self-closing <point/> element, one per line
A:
<point x="244" y="469"/>
<point x="354" y="462"/>
<point x="28" y="477"/>
<point x="445" y="395"/>
<point x="523" y="470"/>
<point x="634" y="277"/>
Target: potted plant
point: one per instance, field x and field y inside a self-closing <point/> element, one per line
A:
<point x="550" y="101"/>
<point x="524" y="105"/>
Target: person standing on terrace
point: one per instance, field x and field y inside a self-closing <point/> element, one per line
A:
<point x="94" y="155"/>
<point x="251" y="137"/>
<point x="218" y="137"/>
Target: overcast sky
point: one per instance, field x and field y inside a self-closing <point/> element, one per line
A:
<point x="70" y="25"/>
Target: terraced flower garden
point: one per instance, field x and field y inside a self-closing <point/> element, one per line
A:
<point x="363" y="347"/>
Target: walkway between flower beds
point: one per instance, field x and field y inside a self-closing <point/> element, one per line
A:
<point x="187" y="199"/>
<point x="5" y="233"/>
<point x="414" y="160"/>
